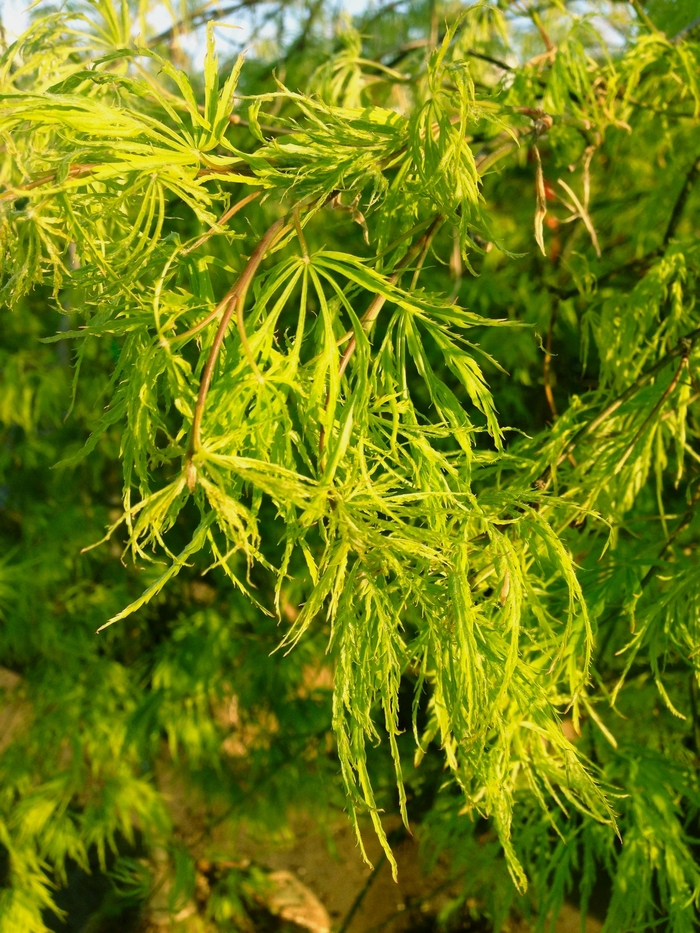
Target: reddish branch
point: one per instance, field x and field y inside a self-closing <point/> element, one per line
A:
<point x="547" y="366"/>
<point x="234" y="302"/>
<point x="420" y="247"/>
<point x="75" y="171"/>
<point x="225" y="217"/>
<point x="378" y="302"/>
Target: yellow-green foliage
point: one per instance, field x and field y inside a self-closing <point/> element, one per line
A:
<point x="312" y="310"/>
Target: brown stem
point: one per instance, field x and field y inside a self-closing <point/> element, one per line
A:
<point x="433" y="36"/>
<point x="233" y="302"/>
<point x="549" y="45"/>
<point x="388" y="249"/>
<point x="230" y="295"/>
<point x="421" y="43"/>
<point x="546" y="366"/>
<point x="693" y="381"/>
<point x="427" y="240"/>
<point x="376" y="305"/>
<point x="378" y="302"/>
<point x="299" y="43"/>
<point x="225" y="217"/>
<point x="75" y="171"/>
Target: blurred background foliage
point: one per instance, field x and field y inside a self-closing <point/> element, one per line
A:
<point x="585" y="117"/>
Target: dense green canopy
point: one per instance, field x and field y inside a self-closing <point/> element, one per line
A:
<point x="375" y="352"/>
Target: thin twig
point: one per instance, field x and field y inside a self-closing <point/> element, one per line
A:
<point x="433" y="34"/>
<point x="674" y="220"/>
<point x="299" y="43"/>
<point x="626" y="395"/>
<point x="378" y="302"/>
<point x="388" y="249"/>
<point x="200" y="325"/>
<point x="225" y="217"/>
<point x="644" y="17"/>
<point x="428" y="239"/>
<point x="546" y="366"/>
<point x="394" y="836"/>
<point x="682" y="348"/>
<point x="198" y="17"/>
<point x="642" y="428"/>
<point x="536" y="19"/>
<point x="377" y="14"/>
<point x="233" y="303"/>
<point x="694" y="705"/>
<point x="681" y="526"/>
<point x="649" y="575"/>
<point x="375" y="306"/>
<point x="74" y="171"/>
<point x="236" y="120"/>
<point x="421" y="43"/>
<point x="504" y="66"/>
<point x="679" y="36"/>
<point x="681" y="201"/>
<point x="268" y="240"/>
<point x="581" y="210"/>
<point x="357" y="903"/>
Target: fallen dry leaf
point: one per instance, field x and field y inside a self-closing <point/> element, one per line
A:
<point x="291" y="900"/>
